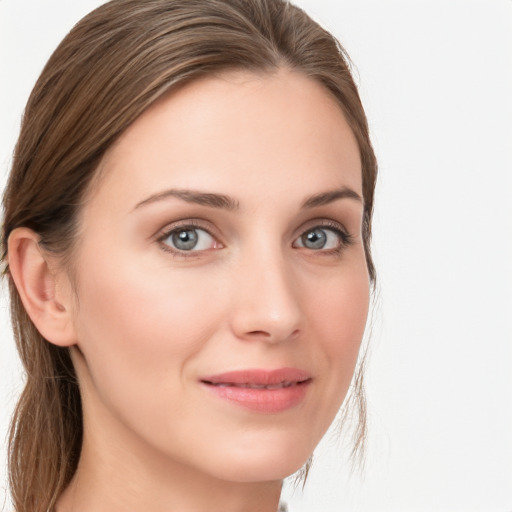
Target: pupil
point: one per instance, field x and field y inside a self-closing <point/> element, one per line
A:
<point x="315" y="239"/>
<point x="185" y="240"/>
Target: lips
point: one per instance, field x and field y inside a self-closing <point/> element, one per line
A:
<point x="285" y="384"/>
<point x="267" y="391"/>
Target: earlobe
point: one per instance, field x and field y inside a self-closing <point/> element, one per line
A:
<point x="37" y="283"/>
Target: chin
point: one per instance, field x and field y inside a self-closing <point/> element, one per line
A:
<point x="264" y="471"/>
<point x="263" y="461"/>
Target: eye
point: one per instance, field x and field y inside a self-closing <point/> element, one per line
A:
<point x="323" y="238"/>
<point x="188" y="239"/>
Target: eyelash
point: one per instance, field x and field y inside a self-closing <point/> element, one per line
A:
<point x="345" y="238"/>
<point x="189" y="224"/>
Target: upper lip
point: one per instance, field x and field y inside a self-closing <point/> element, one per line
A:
<point x="259" y="377"/>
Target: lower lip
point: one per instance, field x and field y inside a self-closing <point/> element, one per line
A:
<point x="263" y="400"/>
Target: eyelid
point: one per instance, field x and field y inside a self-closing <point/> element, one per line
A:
<point x="323" y="223"/>
<point x="346" y="238"/>
<point x="183" y="224"/>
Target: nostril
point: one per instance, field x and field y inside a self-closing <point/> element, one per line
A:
<point x="272" y="336"/>
<point x="259" y="333"/>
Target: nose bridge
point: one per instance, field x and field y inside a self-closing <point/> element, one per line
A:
<point x="266" y="302"/>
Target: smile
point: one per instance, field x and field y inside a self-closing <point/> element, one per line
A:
<point x="255" y="386"/>
<point x="262" y="391"/>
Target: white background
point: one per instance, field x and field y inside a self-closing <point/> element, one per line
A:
<point x="436" y="81"/>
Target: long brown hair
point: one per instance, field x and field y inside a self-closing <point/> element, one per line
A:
<point x="112" y="66"/>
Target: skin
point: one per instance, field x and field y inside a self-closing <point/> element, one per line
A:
<point x="146" y="323"/>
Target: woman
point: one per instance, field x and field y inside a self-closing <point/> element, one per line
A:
<point x="186" y="239"/>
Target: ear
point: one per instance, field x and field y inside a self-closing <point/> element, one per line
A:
<point x="44" y="290"/>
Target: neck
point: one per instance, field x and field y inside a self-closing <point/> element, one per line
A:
<point x="94" y="492"/>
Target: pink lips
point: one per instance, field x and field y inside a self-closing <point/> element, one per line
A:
<point x="267" y="391"/>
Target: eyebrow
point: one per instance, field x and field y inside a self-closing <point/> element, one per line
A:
<point x="225" y="202"/>
<point x="192" y="196"/>
<point x="330" y="196"/>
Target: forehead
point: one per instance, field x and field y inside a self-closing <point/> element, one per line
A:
<point x="230" y="132"/>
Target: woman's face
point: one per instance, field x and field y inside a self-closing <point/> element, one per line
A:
<point x="221" y="278"/>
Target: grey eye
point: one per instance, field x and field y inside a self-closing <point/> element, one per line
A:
<point x="314" y="239"/>
<point x="185" y="239"/>
<point x="321" y="238"/>
<point x="190" y="239"/>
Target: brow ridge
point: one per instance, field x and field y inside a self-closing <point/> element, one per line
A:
<point x="324" y="198"/>
<point x="222" y="201"/>
<point x="192" y="196"/>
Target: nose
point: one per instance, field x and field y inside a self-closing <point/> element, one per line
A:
<point x="266" y="303"/>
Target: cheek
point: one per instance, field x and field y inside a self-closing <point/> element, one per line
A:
<point x="342" y="316"/>
<point x="339" y="318"/>
<point x="341" y="309"/>
<point x="135" y="328"/>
